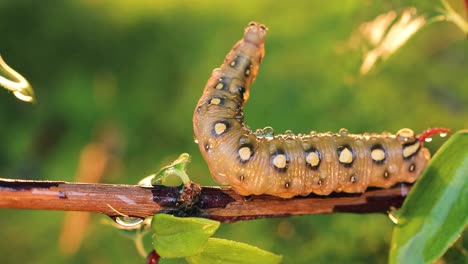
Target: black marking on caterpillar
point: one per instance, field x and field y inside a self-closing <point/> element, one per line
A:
<point x="287" y="165"/>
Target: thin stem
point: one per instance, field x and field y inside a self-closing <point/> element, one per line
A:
<point x="454" y="17"/>
<point x="209" y="202"/>
<point x="19" y="86"/>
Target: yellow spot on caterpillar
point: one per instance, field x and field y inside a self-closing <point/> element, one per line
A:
<point x="220" y="128"/>
<point x="378" y="154"/>
<point x="409" y="150"/>
<point x="412" y="168"/>
<point x="247" y="72"/>
<point x="280" y="161"/>
<point x="312" y="159"/>
<point x="233" y="63"/>
<point x="346" y="156"/>
<point x="245" y="153"/>
<point x="219" y="86"/>
<point x="215" y="101"/>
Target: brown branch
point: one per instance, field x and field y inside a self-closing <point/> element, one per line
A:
<point x="209" y="202"/>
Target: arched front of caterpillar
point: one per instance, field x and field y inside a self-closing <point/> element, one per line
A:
<point x="289" y="165"/>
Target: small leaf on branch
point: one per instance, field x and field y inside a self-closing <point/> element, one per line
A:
<point x="230" y="252"/>
<point x="177" y="168"/>
<point x="176" y="237"/>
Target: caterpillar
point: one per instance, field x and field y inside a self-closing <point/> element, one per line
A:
<point x="287" y="165"/>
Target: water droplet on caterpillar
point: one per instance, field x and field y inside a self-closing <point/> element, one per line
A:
<point x="404" y="134"/>
<point x="343" y="132"/>
<point x="269" y="132"/>
<point x="128" y="221"/>
<point x="259" y="133"/>
<point x="289" y="133"/>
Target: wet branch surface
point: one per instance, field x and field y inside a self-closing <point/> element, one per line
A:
<point x="216" y="203"/>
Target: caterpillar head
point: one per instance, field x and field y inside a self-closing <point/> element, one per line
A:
<point x="255" y="33"/>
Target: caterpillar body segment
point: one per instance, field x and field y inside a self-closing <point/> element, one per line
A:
<point x="259" y="162"/>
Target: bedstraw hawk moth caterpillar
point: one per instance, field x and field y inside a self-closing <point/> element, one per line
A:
<point x="286" y="165"/>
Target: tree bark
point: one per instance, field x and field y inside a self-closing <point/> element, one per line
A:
<point x="221" y="204"/>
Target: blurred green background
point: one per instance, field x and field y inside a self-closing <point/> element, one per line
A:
<point x="126" y="77"/>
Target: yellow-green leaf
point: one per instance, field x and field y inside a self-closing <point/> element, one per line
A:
<point x="436" y="210"/>
<point x="230" y="252"/>
<point x="176" y="237"/>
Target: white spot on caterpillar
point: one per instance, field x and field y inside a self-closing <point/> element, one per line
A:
<point x="346" y="156"/>
<point x="378" y="154"/>
<point x="219" y="86"/>
<point x="220" y="128"/>
<point x="280" y="161"/>
<point x="245" y="153"/>
<point x="215" y="101"/>
<point x="410" y="150"/>
<point x="312" y="159"/>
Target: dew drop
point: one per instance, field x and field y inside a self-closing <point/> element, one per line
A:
<point x="259" y="133"/>
<point x="269" y="132"/>
<point x="289" y="133"/>
<point x="343" y="132"/>
<point x="128" y="221"/>
<point x="404" y="134"/>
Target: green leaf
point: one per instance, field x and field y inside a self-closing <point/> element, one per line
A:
<point x="172" y="261"/>
<point x="226" y="251"/>
<point x="435" y="212"/>
<point x="177" y="167"/>
<point x="176" y="237"/>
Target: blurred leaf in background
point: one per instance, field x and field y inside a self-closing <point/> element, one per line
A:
<point x="142" y="67"/>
